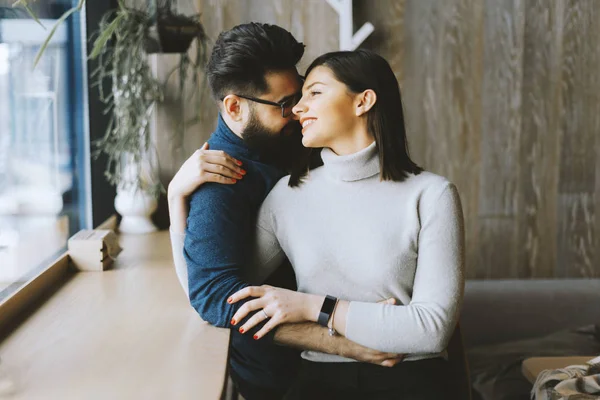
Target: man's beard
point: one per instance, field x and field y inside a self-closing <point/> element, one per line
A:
<point x="277" y="148"/>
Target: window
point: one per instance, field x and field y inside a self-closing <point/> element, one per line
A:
<point x="42" y="201"/>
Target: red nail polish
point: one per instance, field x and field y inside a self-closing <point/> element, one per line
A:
<point x="255" y="337"/>
<point x="241" y="330"/>
<point x="233" y="322"/>
<point x="238" y="162"/>
<point x="229" y="300"/>
<point x="243" y="172"/>
<point x="239" y="176"/>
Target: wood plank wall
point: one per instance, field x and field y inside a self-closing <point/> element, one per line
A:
<point x="501" y="97"/>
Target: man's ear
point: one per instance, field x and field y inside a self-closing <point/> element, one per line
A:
<point x="232" y="106"/>
<point x="365" y="101"/>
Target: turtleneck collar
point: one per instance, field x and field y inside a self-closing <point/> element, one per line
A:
<point x="223" y="132"/>
<point x="352" y="167"/>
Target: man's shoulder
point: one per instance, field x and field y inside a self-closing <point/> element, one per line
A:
<point x="217" y="143"/>
<point x="217" y="195"/>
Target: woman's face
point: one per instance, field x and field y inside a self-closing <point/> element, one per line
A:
<point x="326" y="111"/>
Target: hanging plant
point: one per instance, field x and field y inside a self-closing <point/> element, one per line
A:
<point x="121" y="49"/>
<point x="133" y="96"/>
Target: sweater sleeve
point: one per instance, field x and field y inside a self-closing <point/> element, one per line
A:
<point x="218" y="229"/>
<point x="426" y="324"/>
<point x="268" y="253"/>
<point x="177" y="240"/>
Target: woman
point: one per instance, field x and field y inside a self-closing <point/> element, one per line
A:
<point x="368" y="224"/>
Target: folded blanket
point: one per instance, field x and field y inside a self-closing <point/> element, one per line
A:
<point x="570" y="383"/>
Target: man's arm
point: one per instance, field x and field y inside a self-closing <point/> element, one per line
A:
<point x="311" y="336"/>
<point x="214" y="247"/>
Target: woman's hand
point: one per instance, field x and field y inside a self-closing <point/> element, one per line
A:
<point x="277" y="304"/>
<point x="204" y="166"/>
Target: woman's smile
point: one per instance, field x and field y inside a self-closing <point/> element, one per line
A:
<point x="306" y="122"/>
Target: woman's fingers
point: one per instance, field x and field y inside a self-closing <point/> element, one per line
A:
<point x="246" y="309"/>
<point x="256" y="319"/>
<point x="272" y="323"/>
<point x="211" y="177"/>
<point x="220" y="170"/>
<point x="221" y="158"/>
<point x="249" y="291"/>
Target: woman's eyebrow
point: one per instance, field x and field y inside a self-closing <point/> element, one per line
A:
<point x="312" y="84"/>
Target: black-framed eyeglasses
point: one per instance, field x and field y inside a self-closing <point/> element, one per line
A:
<point x="286" y="105"/>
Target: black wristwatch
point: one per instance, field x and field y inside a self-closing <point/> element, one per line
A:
<point x="326" y="310"/>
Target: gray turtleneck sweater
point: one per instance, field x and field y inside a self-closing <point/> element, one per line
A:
<point x="352" y="236"/>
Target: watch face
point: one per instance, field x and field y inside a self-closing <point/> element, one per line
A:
<point x="326" y="310"/>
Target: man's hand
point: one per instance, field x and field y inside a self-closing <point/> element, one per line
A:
<point x="373" y="356"/>
<point x="364" y="354"/>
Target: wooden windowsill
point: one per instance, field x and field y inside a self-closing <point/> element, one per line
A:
<point x="128" y="332"/>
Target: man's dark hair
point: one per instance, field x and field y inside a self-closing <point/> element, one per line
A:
<point x="243" y="55"/>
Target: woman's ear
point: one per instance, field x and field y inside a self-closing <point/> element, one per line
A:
<point x="232" y="106"/>
<point x="365" y="101"/>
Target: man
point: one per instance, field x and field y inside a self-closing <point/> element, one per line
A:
<point x="252" y="75"/>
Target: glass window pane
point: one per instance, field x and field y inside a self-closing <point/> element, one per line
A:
<point x="39" y="197"/>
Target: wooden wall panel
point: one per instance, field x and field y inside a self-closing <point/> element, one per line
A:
<point x="579" y="129"/>
<point x="500" y="133"/>
<point x="388" y="39"/>
<point x="596" y="264"/>
<point x="538" y="153"/>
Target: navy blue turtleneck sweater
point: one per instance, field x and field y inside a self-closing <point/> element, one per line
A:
<point x="220" y="225"/>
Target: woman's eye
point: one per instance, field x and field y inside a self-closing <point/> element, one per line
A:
<point x="314" y="93"/>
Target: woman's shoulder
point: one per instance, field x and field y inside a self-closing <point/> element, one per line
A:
<point x="278" y="193"/>
<point x="283" y="185"/>
<point x="429" y="181"/>
<point x="430" y="185"/>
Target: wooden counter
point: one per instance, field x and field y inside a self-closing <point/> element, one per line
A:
<point x="125" y="333"/>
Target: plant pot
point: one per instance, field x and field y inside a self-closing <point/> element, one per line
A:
<point x="171" y="34"/>
<point x="136" y="207"/>
<point x="132" y="202"/>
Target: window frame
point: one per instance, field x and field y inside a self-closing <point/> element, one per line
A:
<point x="88" y="123"/>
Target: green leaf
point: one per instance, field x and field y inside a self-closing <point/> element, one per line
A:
<point x="62" y="18"/>
<point x="29" y="10"/>
<point x="105" y="36"/>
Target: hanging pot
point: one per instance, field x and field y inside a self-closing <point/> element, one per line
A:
<point x="171" y="33"/>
